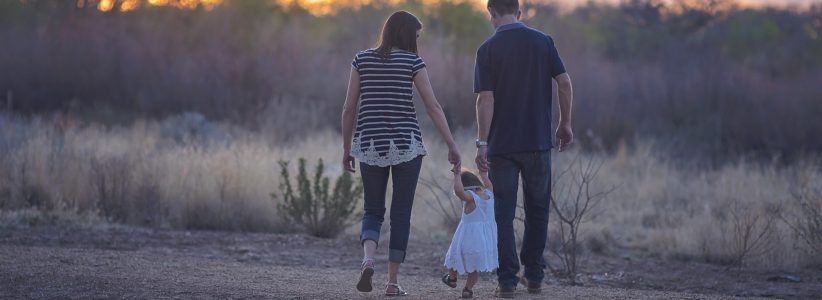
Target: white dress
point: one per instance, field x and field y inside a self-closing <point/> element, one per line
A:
<point x="474" y="246"/>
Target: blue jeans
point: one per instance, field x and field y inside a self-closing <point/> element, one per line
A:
<point x="535" y="168"/>
<point x="375" y="182"/>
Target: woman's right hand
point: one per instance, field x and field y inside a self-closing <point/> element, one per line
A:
<point x="348" y="162"/>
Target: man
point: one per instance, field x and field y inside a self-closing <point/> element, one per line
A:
<point x="513" y="76"/>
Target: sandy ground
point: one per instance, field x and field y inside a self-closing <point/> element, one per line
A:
<point x="119" y="262"/>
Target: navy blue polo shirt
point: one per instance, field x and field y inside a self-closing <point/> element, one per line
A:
<point x="518" y="64"/>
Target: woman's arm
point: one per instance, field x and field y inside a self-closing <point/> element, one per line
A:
<point x="434" y="109"/>
<point x="349" y="114"/>
<point x="459" y="189"/>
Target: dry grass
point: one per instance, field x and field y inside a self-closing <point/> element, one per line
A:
<point x="145" y="176"/>
<point x="218" y="177"/>
<point x="724" y="215"/>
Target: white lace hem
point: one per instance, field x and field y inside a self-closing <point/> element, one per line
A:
<point x="394" y="156"/>
<point x="461" y="270"/>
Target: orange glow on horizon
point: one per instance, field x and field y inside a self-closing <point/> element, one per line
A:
<point x="129" y="5"/>
<point x="105" y="5"/>
<point x="325" y="7"/>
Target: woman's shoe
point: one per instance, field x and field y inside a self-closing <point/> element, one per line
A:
<point x="366" y="273"/>
<point x="399" y="292"/>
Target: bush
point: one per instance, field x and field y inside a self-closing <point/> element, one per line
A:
<point x="805" y="219"/>
<point x="753" y="226"/>
<point x="441" y="192"/>
<point x="574" y="196"/>
<point x="312" y="207"/>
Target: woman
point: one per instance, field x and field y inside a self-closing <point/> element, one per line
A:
<point x="387" y="138"/>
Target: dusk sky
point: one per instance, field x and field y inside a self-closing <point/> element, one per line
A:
<point x="327" y="6"/>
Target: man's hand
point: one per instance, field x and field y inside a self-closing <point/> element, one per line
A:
<point x="348" y="162"/>
<point x="482" y="158"/>
<point x="564" y="136"/>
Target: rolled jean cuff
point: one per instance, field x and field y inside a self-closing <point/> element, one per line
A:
<point x="396" y="256"/>
<point x="370" y="235"/>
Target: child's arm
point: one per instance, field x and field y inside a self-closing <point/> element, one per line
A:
<point x="459" y="189"/>
<point x="486" y="181"/>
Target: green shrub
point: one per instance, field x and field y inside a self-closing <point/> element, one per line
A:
<point x="312" y="207"/>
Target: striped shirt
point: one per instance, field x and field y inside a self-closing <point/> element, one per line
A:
<point x="387" y="131"/>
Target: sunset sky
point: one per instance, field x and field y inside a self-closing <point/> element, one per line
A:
<point x="327" y="6"/>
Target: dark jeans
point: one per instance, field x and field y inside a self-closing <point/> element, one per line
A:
<point x="375" y="182"/>
<point x="535" y="168"/>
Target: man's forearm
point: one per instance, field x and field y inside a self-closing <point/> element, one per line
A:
<point x="566" y="98"/>
<point x="485" y="112"/>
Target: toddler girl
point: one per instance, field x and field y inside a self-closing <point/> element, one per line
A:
<point x="474" y="246"/>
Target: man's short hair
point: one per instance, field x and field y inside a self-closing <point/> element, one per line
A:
<point x="504" y="7"/>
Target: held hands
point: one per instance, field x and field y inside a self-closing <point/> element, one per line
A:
<point x="482" y="159"/>
<point x="454" y="158"/>
<point x="564" y="136"/>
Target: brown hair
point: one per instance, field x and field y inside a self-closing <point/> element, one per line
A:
<point x="504" y="7"/>
<point x="470" y="179"/>
<point x="399" y="31"/>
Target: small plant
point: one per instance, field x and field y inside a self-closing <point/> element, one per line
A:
<point x="752" y="230"/>
<point x="805" y="219"/>
<point x="746" y="231"/>
<point x="442" y="193"/>
<point x="311" y="206"/>
<point x="573" y="201"/>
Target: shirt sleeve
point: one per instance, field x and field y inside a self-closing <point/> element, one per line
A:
<point x="418" y="65"/>
<point x="557" y="67"/>
<point x="356" y="62"/>
<point x="483" y="77"/>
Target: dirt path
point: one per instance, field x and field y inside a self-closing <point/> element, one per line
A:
<point x="136" y="263"/>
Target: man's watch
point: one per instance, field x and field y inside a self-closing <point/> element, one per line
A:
<point x="481" y="143"/>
